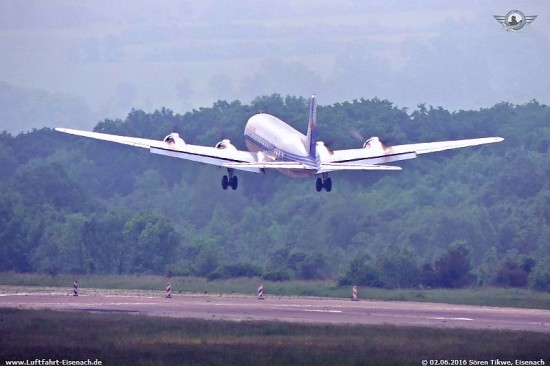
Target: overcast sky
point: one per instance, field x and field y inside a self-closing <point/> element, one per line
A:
<point x="73" y="63"/>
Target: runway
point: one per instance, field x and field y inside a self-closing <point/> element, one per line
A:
<point x="289" y="309"/>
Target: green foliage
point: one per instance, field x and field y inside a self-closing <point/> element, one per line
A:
<point x="398" y="268"/>
<point x="148" y="245"/>
<point x="452" y="268"/>
<point x="48" y="184"/>
<point x="234" y="271"/>
<point x="276" y="276"/>
<point x="513" y="270"/>
<point x="363" y="273"/>
<point x="71" y="205"/>
<point x="393" y="268"/>
<point x="62" y="247"/>
<point x="206" y="261"/>
<point x="283" y="265"/>
<point x="540" y="277"/>
<point x="14" y="248"/>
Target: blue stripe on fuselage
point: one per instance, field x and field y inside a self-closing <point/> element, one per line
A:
<point x="280" y="155"/>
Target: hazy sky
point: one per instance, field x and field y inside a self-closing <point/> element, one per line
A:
<point x="73" y="63"/>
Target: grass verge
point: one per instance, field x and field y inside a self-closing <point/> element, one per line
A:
<point x="123" y="339"/>
<point x="476" y="296"/>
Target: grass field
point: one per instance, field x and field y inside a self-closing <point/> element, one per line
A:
<point x="123" y="339"/>
<point x="476" y="296"/>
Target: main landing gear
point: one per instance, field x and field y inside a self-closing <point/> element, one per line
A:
<point x="231" y="181"/>
<point x="325" y="183"/>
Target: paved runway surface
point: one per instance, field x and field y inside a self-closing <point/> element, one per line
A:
<point x="290" y="309"/>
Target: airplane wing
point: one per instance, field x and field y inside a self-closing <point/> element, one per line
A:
<point x="373" y="157"/>
<point x="430" y="147"/>
<point x="177" y="148"/>
<point x="379" y="154"/>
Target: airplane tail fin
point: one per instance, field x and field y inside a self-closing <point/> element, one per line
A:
<point x="312" y="129"/>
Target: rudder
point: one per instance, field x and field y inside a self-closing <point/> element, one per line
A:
<point x="312" y="129"/>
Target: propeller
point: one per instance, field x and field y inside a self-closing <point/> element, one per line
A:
<point x="358" y="135"/>
<point x="328" y="144"/>
<point x="222" y="134"/>
<point x="362" y="139"/>
<point x="176" y="129"/>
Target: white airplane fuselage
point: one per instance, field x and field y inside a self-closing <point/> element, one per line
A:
<point x="278" y="141"/>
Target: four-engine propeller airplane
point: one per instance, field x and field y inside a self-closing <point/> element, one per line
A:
<point x="273" y="144"/>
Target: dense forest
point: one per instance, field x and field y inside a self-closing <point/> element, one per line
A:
<point x="474" y="217"/>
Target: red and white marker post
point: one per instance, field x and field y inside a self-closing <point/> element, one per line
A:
<point x="260" y="292"/>
<point x="169" y="291"/>
<point x="75" y="288"/>
<point x="354" y="295"/>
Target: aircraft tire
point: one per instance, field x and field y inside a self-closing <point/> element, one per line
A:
<point x="328" y="184"/>
<point x="234" y="182"/>
<point x="319" y="184"/>
<point x="225" y="182"/>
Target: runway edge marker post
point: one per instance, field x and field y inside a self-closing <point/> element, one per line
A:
<point x="260" y="292"/>
<point x="354" y="294"/>
<point x="169" y="290"/>
<point x="75" y="288"/>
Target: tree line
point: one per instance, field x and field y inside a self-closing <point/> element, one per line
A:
<point x="478" y="216"/>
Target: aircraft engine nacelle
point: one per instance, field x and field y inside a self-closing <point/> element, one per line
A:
<point x="174" y="139"/>
<point x="225" y="144"/>
<point x="373" y="143"/>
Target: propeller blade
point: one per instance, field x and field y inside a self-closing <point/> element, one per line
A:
<point x="358" y="135"/>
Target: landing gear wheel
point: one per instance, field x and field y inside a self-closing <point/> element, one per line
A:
<point x="328" y="184"/>
<point x="319" y="184"/>
<point x="234" y="183"/>
<point x="225" y="182"/>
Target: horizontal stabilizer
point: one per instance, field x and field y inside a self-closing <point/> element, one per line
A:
<point x="328" y="167"/>
<point x="268" y="165"/>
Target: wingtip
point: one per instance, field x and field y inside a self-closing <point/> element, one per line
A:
<point x="490" y="140"/>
